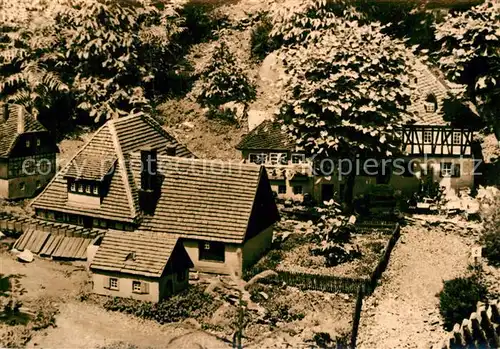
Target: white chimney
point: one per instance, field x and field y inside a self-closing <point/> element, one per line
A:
<point x="20" y="120"/>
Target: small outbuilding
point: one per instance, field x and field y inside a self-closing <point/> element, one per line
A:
<point x="142" y="265"/>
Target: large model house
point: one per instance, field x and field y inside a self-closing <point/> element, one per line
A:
<point x="27" y="153"/>
<point x="133" y="176"/>
<point x="437" y="149"/>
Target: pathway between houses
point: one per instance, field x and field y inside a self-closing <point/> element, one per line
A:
<point x="403" y="311"/>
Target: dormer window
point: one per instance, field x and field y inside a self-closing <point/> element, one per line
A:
<point x="38" y="142"/>
<point x="73" y="187"/>
<point x="95" y="190"/>
<point x="28" y="143"/>
<point x="80" y="188"/>
<point x="430" y="103"/>
<point x="87" y="188"/>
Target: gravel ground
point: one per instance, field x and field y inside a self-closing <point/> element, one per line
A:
<point x="403" y="311"/>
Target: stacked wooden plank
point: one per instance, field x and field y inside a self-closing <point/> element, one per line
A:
<point x="56" y="240"/>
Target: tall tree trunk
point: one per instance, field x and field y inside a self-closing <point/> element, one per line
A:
<point x="348" y="194"/>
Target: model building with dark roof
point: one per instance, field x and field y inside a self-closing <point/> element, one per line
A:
<point x="27" y="153"/>
<point x="444" y="151"/>
<point x="222" y="212"/>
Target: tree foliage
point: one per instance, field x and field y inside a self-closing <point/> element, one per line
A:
<point x="104" y="54"/>
<point x="223" y="80"/>
<point x="458" y="299"/>
<point x="347" y="92"/>
<point x="333" y="233"/>
<point x="470" y="54"/>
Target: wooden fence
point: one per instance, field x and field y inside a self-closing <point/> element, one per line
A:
<point x="318" y="282"/>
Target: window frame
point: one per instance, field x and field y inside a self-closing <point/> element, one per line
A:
<point x="444" y="171"/>
<point x="115" y="287"/>
<point x="459" y="134"/>
<point x="27" y="143"/>
<point x="298" y="159"/>
<point x="219" y="256"/>
<point x="280" y="187"/>
<point x="297" y="191"/>
<point x="136" y="283"/>
<point x="424" y="137"/>
<point x="38" y="142"/>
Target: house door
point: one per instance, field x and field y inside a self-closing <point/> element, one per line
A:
<point x="87" y="222"/>
<point x="327" y="192"/>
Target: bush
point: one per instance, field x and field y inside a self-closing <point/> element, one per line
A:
<point x="459" y="298"/>
<point x="261" y="42"/>
<point x="224" y="80"/>
<point x="491" y="246"/>
<point x="268" y="262"/>
<point x="192" y="303"/>
<point x="224" y="114"/>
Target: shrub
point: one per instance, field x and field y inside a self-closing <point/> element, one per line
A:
<point x="201" y="21"/>
<point x="224" y="114"/>
<point x="261" y="42"/>
<point x="458" y="299"/>
<point x="491" y="246"/>
<point x="268" y="262"/>
<point x="224" y="80"/>
<point x="192" y="303"/>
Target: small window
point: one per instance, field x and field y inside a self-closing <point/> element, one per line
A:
<point x="95" y="222"/>
<point x="95" y="190"/>
<point x="136" y="287"/>
<point x="457" y="138"/>
<point x="87" y="188"/>
<point x="428" y="137"/>
<point x="297" y="189"/>
<point x="38" y="142"/>
<point x="73" y="186"/>
<point x="297" y="158"/>
<point x="28" y="143"/>
<point x="113" y="283"/>
<point x="80" y="188"/>
<point x="102" y="223"/>
<point x="282" y="189"/>
<point x="22" y="186"/>
<point x="212" y="251"/>
<point x="38" y="184"/>
<point x="258" y="159"/>
<point x="449" y="169"/>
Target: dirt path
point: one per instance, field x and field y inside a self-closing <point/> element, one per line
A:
<point x="403" y="311"/>
<point x="81" y="325"/>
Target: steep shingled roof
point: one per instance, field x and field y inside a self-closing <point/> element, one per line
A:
<point x="203" y="199"/>
<point x="137" y="253"/>
<point x="430" y="81"/>
<point x="109" y="145"/>
<point x="268" y="135"/>
<point x="9" y="128"/>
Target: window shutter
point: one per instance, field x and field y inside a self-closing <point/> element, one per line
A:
<point x="145" y="287"/>
<point x="107" y="283"/>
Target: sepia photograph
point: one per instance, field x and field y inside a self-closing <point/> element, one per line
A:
<point x="258" y="174"/>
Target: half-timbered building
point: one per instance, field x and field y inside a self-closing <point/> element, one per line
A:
<point x="431" y="147"/>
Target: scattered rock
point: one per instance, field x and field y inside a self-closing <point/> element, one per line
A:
<point x="192" y="322"/>
<point x="263" y="275"/>
<point x="264" y="295"/>
<point x="187" y="124"/>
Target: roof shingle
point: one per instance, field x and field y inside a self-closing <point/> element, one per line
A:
<point x="268" y="135"/>
<point x="203" y="199"/>
<point x="108" y="147"/>
<point x="148" y="253"/>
